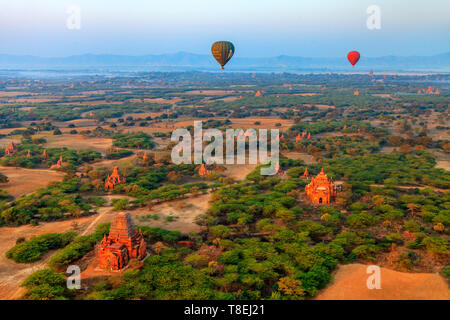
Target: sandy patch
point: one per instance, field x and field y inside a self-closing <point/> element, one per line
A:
<point x="307" y="158"/>
<point x="387" y="149"/>
<point x="8" y="130"/>
<point x="382" y="95"/>
<point x="4" y="142"/>
<point x="16" y="93"/>
<point x="157" y="100"/>
<point x="24" y="181"/>
<point x="238" y="171"/>
<point x="12" y="274"/>
<point x="266" y="123"/>
<point x="309" y="94"/>
<point x="350" y="284"/>
<point x="321" y="106"/>
<point x="78" y="142"/>
<point x="123" y="162"/>
<point x="210" y="92"/>
<point x="184" y="212"/>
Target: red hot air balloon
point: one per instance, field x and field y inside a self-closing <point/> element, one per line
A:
<point x="353" y="57"/>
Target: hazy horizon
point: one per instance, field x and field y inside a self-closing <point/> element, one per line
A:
<point x="265" y="28"/>
<point x="207" y="54"/>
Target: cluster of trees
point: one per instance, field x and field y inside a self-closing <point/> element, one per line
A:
<point x="412" y="169"/>
<point x="139" y="140"/>
<point x="76" y="249"/>
<point x="72" y="158"/>
<point x="333" y="147"/>
<point x="118" y="154"/>
<point x="61" y="111"/>
<point x="33" y="249"/>
<point x="47" y="285"/>
<point x="336" y="126"/>
<point x="60" y="200"/>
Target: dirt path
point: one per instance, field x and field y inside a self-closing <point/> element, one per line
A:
<point x="12" y="274"/>
<point x="183" y="213"/>
<point x="350" y="283"/>
<point x="99" y="216"/>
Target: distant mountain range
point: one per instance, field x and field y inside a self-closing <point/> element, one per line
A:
<point x="190" y="61"/>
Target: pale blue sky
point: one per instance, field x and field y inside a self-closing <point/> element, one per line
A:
<point x="325" y="28"/>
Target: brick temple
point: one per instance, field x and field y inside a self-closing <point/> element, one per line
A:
<point x="122" y="244"/>
<point x="59" y="164"/>
<point x="321" y="190"/>
<point x="10" y="149"/>
<point x="203" y="171"/>
<point x="114" y="179"/>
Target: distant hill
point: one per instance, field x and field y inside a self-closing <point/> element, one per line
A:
<point x="190" y="61"/>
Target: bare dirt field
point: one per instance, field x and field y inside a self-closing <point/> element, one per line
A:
<point x="387" y="149"/>
<point x="210" y="92"/>
<point x="90" y="103"/>
<point x="334" y="134"/>
<point x="16" y="93"/>
<point x="4" y="142"/>
<point x="266" y="123"/>
<point x="123" y="162"/>
<point x="157" y="100"/>
<point x="239" y="171"/>
<point x="12" y="274"/>
<point x="321" y="106"/>
<point x="350" y="283"/>
<point x="307" y="158"/>
<point x="382" y="95"/>
<point x="79" y="124"/>
<point x="186" y="210"/>
<point x="24" y="181"/>
<point x="78" y="142"/>
<point x="8" y="130"/>
<point x="309" y="94"/>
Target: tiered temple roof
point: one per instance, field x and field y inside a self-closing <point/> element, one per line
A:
<point x="114" y="179"/>
<point x="321" y="190"/>
<point x="203" y="171"/>
<point x="59" y="164"/>
<point x="10" y="149"/>
<point x="122" y="244"/>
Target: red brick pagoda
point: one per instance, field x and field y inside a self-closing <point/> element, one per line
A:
<point x="114" y="179"/>
<point x="123" y="244"/>
<point x="203" y="171"/>
<point x="321" y="190"/>
<point x="10" y="149"/>
<point x="59" y="164"/>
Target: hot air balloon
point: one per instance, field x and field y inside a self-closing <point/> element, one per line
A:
<point x="222" y="52"/>
<point x="353" y="57"/>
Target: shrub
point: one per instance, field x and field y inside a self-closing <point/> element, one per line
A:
<point x="78" y="248"/>
<point x="367" y="251"/>
<point x="46" y="285"/>
<point x="36" y="247"/>
<point x="360" y="220"/>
